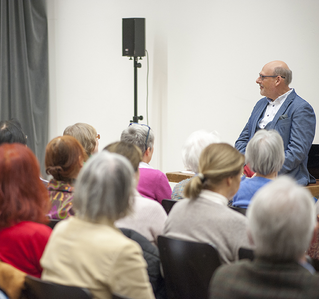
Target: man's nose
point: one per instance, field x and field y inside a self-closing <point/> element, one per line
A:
<point x="258" y="80"/>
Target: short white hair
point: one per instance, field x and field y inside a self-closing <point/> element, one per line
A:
<point x="281" y="220"/>
<point x="194" y="145"/>
<point x="265" y="152"/>
<point x="104" y="188"/>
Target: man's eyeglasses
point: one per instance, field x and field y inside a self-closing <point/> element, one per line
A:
<point x="98" y="136"/>
<point x="262" y="77"/>
<point x="148" y="132"/>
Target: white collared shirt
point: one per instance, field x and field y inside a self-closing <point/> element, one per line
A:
<point x="272" y="109"/>
<point x="144" y="165"/>
<point x="214" y="197"/>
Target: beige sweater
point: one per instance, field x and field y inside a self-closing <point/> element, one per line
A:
<point x="207" y="219"/>
<point x="147" y="218"/>
<point x="98" y="257"/>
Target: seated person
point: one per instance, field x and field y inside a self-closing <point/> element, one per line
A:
<point x="24" y="203"/>
<point x="203" y="216"/>
<point x="313" y="250"/>
<point x="147" y="216"/>
<point x="64" y="157"/>
<point x="87" y="250"/>
<point x="11" y="132"/>
<point x="282" y="221"/>
<point x="11" y="281"/>
<point x="192" y="149"/>
<point x="152" y="183"/>
<point x="86" y="135"/>
<point x="265" y="155"/>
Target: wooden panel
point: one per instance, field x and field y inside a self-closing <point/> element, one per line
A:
<point x="314" y="189"/>
<point x="176" y="177"/>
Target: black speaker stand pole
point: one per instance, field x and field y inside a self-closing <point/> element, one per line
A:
<point x="136" y="118"/>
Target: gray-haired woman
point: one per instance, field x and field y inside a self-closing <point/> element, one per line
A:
<point x="265" y="155"/>
<point x="87" y="250"/>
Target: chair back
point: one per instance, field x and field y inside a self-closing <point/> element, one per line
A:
<point x="239" y="210"/>
<point x="188" y="267"/>
<point x="244" y="253"/>
<point x="168" y="204"/>
<point x="119" y="297"/>
<point x="313" y="163"/>
<point x="36" y="288"/>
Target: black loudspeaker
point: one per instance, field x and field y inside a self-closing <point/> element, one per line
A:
<point x="133" y="37"/>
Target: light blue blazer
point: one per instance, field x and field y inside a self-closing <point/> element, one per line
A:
<point x="296" y="123"/>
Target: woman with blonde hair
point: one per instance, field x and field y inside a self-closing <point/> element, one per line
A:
<point x="204" y="216"/>
<point x="86" y="135"/>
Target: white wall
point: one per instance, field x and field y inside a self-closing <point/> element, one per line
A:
<point x="205" y="56"/>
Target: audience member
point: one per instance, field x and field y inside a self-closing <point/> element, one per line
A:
<point x="147" y="216"/>
<point x="152" y="183"/>
<point x="203" y="216"/>
<point x="11" y="132"/>
<point x="11" y="281"/>
<point x="265" y="155"/>
<point x="86" y="135"/>
<point x="64" y="157"/>
<point x="282" y="221"/>
<point x="313" y="250"/>
<point x="192" y="149"/>
<point x="87" y="250"/>
<point x="24" y="202"/>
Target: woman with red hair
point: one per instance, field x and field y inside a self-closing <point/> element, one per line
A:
<point x="24" y="203"/>
<point x="64" y="158"/>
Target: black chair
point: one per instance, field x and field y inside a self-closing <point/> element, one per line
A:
<point x="188" y="267"/>
<point x="168" y="204"/>
<point x="313" y="162"/>
<point x="119" y="297"/>
<point x="53" y="222"/>
<point x="239" y="210"/>
<point x="244" y="253"/>
<point x="36" y="288"/>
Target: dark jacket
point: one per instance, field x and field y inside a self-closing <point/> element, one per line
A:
<point x="151" y="256"/>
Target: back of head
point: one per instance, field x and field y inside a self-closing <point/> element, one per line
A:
<point x="11" y="132"/>
<point x="64" y="157"/>
<point x="285" y="73"/>
<point x="217" y="162"/>
<point x="193" y="147"/>
<point x="128" y="150"/>
<point x="85" y="134"/>
<point x="23" y="197"/>
<point x="265" y="152"/>
<point x="104" y="188"/>
<point x="140" y="135"/>
<point x="281" y="220"/>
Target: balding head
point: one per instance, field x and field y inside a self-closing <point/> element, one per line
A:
<point x="280" y="68"/>
<point x="274" y="79"/>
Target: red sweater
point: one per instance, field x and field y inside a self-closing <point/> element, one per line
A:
<point x="22" y="245"/>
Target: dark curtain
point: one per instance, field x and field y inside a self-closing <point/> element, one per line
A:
<point x="24" y="69"/>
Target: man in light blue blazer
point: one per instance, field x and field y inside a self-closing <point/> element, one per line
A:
<point x="283" y="110"/>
